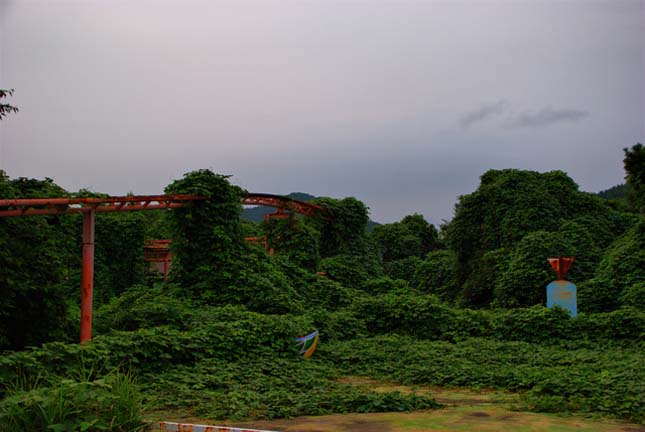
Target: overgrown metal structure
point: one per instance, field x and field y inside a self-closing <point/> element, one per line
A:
<point x="88" y="207"/>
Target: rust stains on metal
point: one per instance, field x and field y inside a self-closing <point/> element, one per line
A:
<point x="561" y="265"/>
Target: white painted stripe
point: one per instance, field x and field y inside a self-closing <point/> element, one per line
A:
<point x="188" y="427"/>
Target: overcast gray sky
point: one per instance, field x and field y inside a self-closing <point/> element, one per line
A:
<point x="402" y="104"/>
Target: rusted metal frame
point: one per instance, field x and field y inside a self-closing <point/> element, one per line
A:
<point x="25" y="211"/>
<point x="97" y="201"/>
<point x="159" y="251"/>
<point x="87" y="275"/>
<point x="89" y="207"/>
<point x="54" y="206"/>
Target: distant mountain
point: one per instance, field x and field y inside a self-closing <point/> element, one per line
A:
<point x="616" y="192"/>
<point x="256" y="214"/>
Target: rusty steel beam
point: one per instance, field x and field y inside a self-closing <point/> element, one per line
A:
<point x="87" y="276"/>
<point x="98" y="209"/>
<point x="97" y="201"/>
<point x="57" y="206"/>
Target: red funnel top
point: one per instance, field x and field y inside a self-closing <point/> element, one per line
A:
<point x="561" y="265"/>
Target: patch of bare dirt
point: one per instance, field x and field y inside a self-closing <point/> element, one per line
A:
<point x="478" y="414"/>
<point x="366" y="426"/>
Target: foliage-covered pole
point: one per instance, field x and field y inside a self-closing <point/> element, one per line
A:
<point x="207" y="239"/>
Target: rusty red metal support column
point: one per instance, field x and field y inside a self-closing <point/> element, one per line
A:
<point x="87" y="276"/>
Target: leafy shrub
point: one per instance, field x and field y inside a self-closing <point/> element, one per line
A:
<point x="297" y="241"/>
<point x="624" y="263"/>
<point x="413" y="236"/>
<point x="535" y="324"/>
<point x="626" y="323"/>
<point x="344" y="233"/>
<point x="109" y="403"/>
<point x="524" y="281"/>
<point x="34" y="255"/>
<point x="142" y="307"/>
<point x="118" y="254"/>
<point x="425" y="317"/>
<point x="345" y="269"/>
<point x="634" y="296"/>
<point x="437" y="274"/>
<point x="597" y="295"/>
<point x="402" y="269"/>
<point x="337" y="325"/>
<point x="478" y="289"/>
<point x="217" y="332"/>
<point x="621" y="268"/>
<point x="384" y="285"/>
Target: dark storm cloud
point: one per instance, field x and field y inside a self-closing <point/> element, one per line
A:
<point x="485" y="112"/>
<point x="547" y="117"/>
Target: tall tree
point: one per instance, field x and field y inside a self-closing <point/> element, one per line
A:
<point x="6" y="108"/>
<point x="635" y="174"/>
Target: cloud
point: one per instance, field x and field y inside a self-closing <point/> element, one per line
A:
<point x="483" y="113"/>
<point x="547" y="117"/>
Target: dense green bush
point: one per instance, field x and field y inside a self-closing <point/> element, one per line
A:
<point x="426" y="317"/>
<point x="384" y="285"/>
<point x="478" y="289"/>
<point x="110" y="403"/>
<point x="345" y="269"/>
<point x="511" y="205"/>
<point x="634" y="296"/>
<point x="437" y="274"/>
<point x="297" y="241"/>
<point x="35" y="253"/>
<point x="345" y="231"/>
<point x="413" y="236"/>
<point x="634" y="163"/>
<point x="621" y="268"/>
<point x="524" y="281"/>
<point x="142" y="307"/>
<point x="624" y="262"/>
<point x="597" y="295"/>
<point x="402" y="269"/>
<point x="230" y="333"/>
<point x="118" y="262"/>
